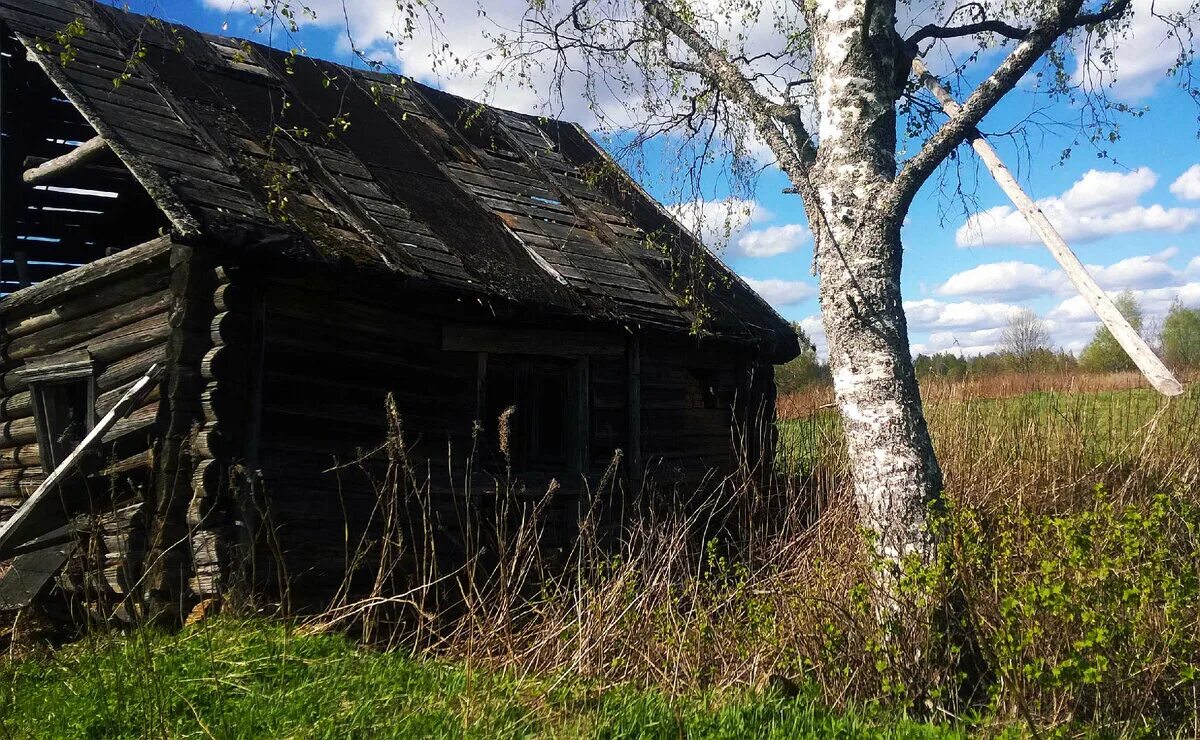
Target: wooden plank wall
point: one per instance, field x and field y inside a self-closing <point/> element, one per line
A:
<point x="117" y="308"/>
<point x="329" y="359"/>
<point x="689" y="403"/>
<point x="331" y="353"/>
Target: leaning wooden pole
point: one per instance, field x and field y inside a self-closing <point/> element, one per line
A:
<point x="1141" y="354"/>
<point x="13" y="532"/>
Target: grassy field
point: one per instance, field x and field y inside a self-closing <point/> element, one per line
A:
<point x="1072" y="532"/>
<point x="1043" y="441"/>
<point x="255" y="679"/>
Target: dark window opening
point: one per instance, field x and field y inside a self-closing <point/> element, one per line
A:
<point x="701" y="390"/>
<point x="63" y="392"/>
<point x="80" y="215"/>
<point x="541" y="432"/>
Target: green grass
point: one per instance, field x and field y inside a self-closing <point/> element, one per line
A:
<point x="257" y="679"/>
<point x="1101" y="425"/>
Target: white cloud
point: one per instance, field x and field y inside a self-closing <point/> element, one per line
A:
<point x="1187" y="185"/>
<point x="725" y="227"/>
<point x="782" y="292"/>
<point x="1193" y="267"/>
<point x="1155" y="302"/>
<point x="1099" y="189"/>
<point x="773" y="240"/>
<point x="1142" y="53"/>
<point x="1145" y="271"/>
<point x="931" y="314"/>
<point x="976" y="342"/>
<point x="1009" y="280"/>
<point x="815" y="329"/>
<point x="1097" y="205"/>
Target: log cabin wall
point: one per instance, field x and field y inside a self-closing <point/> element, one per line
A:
<point x="296" y="384"/>
<point x="327" y="358"/>
<point x="116" y="310"/>
<point x="693" y="407"/>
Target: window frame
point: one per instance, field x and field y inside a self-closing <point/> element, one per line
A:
<point x="46" y="374"/>
<point x="525" y="368"/>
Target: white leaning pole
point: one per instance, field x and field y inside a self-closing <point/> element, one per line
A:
<point x="1141" y="354"/>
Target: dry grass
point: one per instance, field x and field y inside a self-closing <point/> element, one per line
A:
<point x="1084" y="606"/>
<point x="742" y="580"/>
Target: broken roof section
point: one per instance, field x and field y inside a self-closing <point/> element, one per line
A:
<point x="246" y="144"/>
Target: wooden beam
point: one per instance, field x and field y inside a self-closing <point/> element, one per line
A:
<point x="633" y="406"/>
<point x="59" y="166"/>
<point x="24" y="524"/>
<point x="499" y="339"/>
<point x="1141" y="354"/>
<point x="86" y="279"/>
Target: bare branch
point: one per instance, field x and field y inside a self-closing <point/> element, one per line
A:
<point x="955" y="131"/>
<point x="1114" y="10"/>
<point x="721" y="70"/>
<point x="933" y="31"/>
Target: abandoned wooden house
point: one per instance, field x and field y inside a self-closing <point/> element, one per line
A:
<point x="290" y="240"/>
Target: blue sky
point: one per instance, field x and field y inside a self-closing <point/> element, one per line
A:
<point x="1133" y="217"/>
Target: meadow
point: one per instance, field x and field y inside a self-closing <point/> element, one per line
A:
<point x="745" y="607"/>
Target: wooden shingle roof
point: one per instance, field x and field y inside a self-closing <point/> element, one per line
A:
<point x="247" y="144"/>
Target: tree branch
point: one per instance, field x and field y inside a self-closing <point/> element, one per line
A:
<point x="1115" y="9"/>
<point x="717" y="67"/>
<point x="933" y="31"/>
<point x="1036" y="42"/>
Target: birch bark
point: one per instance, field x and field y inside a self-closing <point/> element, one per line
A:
<point x="859" y="256"/>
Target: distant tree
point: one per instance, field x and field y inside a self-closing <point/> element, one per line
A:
<point x="805" y="369"/>
<point x="1181" y="336"/>
<point x="1104" y="355"/>
<point x="941" y="365"/>
<point x="1025" y="339"/>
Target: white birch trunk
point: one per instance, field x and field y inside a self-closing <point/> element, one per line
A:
<point x="896" y="474"/>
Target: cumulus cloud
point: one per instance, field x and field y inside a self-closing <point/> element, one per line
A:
<point x="1145" y="271"/>
<point x="1097" y="205"/>
<point x="1154" y="302"/>
<point x="1017" y="281"/>
<point x="815" y="329"/>
<point x="930" y="314"/>
<point x="782" y="292"/>
<point x="1004" y="280"/>
<point x="735" y="227"/>
<point x="1140" y="54"/>
<point x="773" y="240"/>
<point x="1193" y="267"/>
<point x="976" y="342"/>
<point x="1187" y="185"/>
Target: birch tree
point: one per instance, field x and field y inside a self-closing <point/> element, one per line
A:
<point x="828" y="91"/>
<point x="824" y="86"/>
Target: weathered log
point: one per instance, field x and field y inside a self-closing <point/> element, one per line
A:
<point x="18" y="432"/>
<point x="1129" y="339"/>
<point x="20" y="482"/>
<point x="128" y="340"/>
<point x="34" y="516"/>
<point x="59" y="289"/>
<point x="76" y="331"/>
<point x="143" y="460"/>
<point x="19" y="457"/>
<point x="129" y="368"/>
<point x="137" y="420"/>
<point x="108" y="399"/>
<point x="116" y="294"/>
<point x="16" y="406"/>
<point x="55" y="168"/>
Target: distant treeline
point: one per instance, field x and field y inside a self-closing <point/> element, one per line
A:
<point x="1025" y="348"/>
